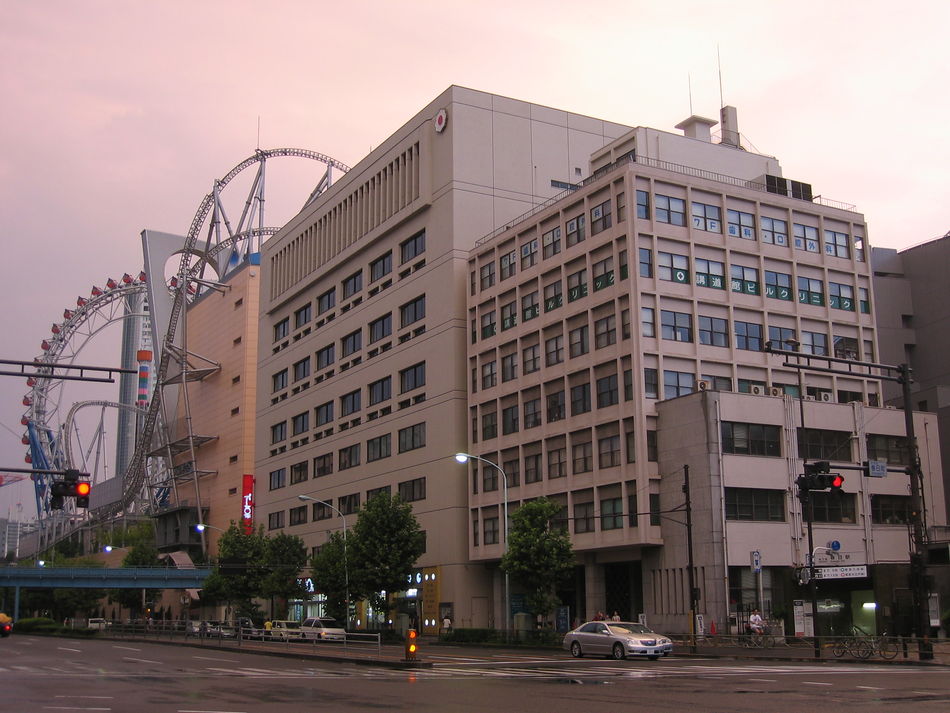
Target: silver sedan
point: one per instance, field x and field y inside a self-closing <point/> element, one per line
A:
<point x="618" y="639"/>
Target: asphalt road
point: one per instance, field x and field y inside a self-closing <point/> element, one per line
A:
<point x="41" y="674"/>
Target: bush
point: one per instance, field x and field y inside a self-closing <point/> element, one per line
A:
<point x="473" y="636"/>
<point x="36" y="625"/>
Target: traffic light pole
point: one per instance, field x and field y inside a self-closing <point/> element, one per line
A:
<point x="808" y="505"/>
<point x="691" y="575"/>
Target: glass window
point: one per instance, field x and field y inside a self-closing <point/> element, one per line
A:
<point x="352" y="342"/>
<point x="583" y="517"/>
<point x="672" y="267"/>
<point x="582" y="456"/>
<point x="531" y="358"/>
<point x="529" y="254"/>
<point x="806" y="237"/>
<point x="890" y="509"/>
<point x="380" y="390"/>
<point x="552" y="296"/>
<point x="841" y="296"/>
<point x="508" y="264"/>
<point x="648" y="321"/>
<point x="676" y="326"/>
<point x="350" y="403"/>
<point x="577" y="285"/>
<point x="530" y="308"/>
<point x="326" y="301"/>
<point x="605" y="331"/>
<point x="748" y="336"/>
<point x="282" y="329"/>
<point x="324" y="413"/>
<point x="751" y="439"/>
<point x="710" y="273"/>
<point x="509" y="367"/>
<point x="326" y="356"/>
<point x="412" y="378"/>
<point x="600" y="218"/>
<point x="380" y="328"/>
<point x="837" y="244"/>
<point x="773" y="231"/>
<point x="412" y="311"/>
<point x="608" y="392"/>
<point x="412" y="437"/>
<point x="824" y="444"/>
<point x="323" y="465"/>
<point x="487" y="275"/>
<point x="643" y="205"/>
<point x="551" y="242"/>
<point x="381" y="266"/>
<point x="713" y="331"/>
<point x="755" y="504"/>
<point x="578" y="341"/>
<point x="646" y="262"/>
<point x="811" y="291"/>
<point x="553" y="350"/>
<point x="302" y="316"/>
<point x="706" y="217"/>
<point x="744" y="279"/>
<point x="352" y="284"/>
<point x="608" y="452"/>
<point x="670" y="210"/>
<point x="379" y="447"/>
<point x="279" y="380"/>
<point x="741" y="225"/>
<point x="580" y="399"/>
<point x="677" y="383"/>
<point x="278" y="478"/>
<point x="413" y="247"/>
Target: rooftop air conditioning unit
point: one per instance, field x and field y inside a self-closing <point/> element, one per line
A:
<point x="776" y="391"/>
<point x="826" y="397"/>
<point x="757" y="390"/>
<point x="704" y="385"/>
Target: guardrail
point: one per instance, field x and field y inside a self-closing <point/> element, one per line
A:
<point x="859" y="648"/>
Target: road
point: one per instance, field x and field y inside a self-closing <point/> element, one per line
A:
<point x="53" y="674"/>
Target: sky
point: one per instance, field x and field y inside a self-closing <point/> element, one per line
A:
<point x="118" y="116"/>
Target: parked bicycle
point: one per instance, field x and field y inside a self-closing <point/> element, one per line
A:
<point x="859" y="647"/>
<point x="882" y="645"/>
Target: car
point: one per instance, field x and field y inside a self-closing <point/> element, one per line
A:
<point x="618" y="639"/>
<point x="98" y="623"/>
<point x="285" y="629"/>
<point x="6" y="625"/>
<point x="322" y="627"/>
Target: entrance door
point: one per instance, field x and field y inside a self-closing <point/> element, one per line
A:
<point x="479" y="612"/>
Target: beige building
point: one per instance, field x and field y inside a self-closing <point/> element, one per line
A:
<point x="363" y="334"/>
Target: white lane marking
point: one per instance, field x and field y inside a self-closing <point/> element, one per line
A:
<point x="97" y="698"/>
<point x="190" y="710"/>
<point x="816" y="683"/>
<point x="73" y="708"/>
<point x="870" y="688"/>
<point x="63" y="648"/>
<point x="763" y="680"/>
<point x="126" y="648"/>
<point x="212" y="658"/>
<point x="130" y="658"/>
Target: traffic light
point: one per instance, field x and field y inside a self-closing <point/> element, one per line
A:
<point x="817" y="477"/>
<point x="83" y="488"/>
<point x="70" y="487"/>
<point x="412" y="645"/>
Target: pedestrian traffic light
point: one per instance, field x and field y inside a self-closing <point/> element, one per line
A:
<point x="412" y="645"/>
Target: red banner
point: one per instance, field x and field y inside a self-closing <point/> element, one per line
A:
<point x="247" y="504"/>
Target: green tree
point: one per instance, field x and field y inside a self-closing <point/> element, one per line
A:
<point x="383" y="548"/>
<point x="142" y="554"/>
<point x="539" y="555"/>
<point x="284" y="556"/>
<point x="238" y="573"/>
<point x="329" y="567"/>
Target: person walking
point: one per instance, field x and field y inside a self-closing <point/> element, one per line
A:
<point x="615" y="617"/>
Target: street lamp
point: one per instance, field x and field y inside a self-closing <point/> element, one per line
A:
<point x="346" y="566"/>
<point x="464" y="458"/>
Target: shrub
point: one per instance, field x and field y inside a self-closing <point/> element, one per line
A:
<point x="36" y="625"/>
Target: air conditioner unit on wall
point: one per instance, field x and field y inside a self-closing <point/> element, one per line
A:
<point x="757" y="390"/>
<point x="826" y="397"/>
<point x="776" y="391"/>
<point x="704" y="385"/>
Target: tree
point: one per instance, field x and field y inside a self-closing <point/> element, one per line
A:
<point x="284" y="556"/>
<point x="238" y="574"/>
<point x="142" y="554"/>
<point x="539" y="555"/>
<point x="385" y="544"/>
<point x="329" y="567"/>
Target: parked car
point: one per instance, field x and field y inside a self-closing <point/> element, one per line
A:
<point x="247" y="628"/>
<point x="322" y="627"/>
<point x="618" y="639"/>
<point x="6" y="625"/>
<point x="98" y="623"/>
<point x="284" y="629"/>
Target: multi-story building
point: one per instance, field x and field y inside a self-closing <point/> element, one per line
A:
<point x="665" y="273"/>
<point x="363" y="331"/>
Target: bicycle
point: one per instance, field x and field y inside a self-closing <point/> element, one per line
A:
<point x="857" y="646"/>
<point x="757" y="640"/>
<point x="882" y="645"/>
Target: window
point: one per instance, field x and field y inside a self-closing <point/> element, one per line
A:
<point x="509" y="367"/>
<point x="300" y="423"/>
<point x="751" y="439"/>
<point x="352" y="342"/>
<point x="282" y="329"/>
<point x="582" y="456"/>
<point x="278" y="432"/>
<point x="605" y="331"/>
<point x="326" y="301"/>
<point x="509" y="419"/>
<point x="600" y="219"/>
<point x="385" y="491"/>
<point x="806" y="237"/>
<point x="608" y="452"/>
<point x="580" y="399"/>
<point x="741" y="225"/>
<point x="352" y="284"/>
<point x="814" y="343"/>
<point x="490" y="525"/>
<point x="552" y="296"/>
<point x="278" y="478"/>
<point x="608" y="392"/>
<point x="532" y="468"/>
<point x="350" y="403"/>
<point x="811" y="291"/>
<point x="380" y="328"/>
<point x="489" y="425"/>
<point x="744" y="279"/>
<point x="633" y="519"/>
<point x="655" y="508"/>
<point x="489" y="376"/>
<point x="575" y="230"/>
<point x="302" y="316"/>
<point x="603" y="273"/>
<point x="531" y="358"/>
<point x="413" y="247"/>
<point x="755" y="504"/>
<point x="837" y="244"/>
<point x="302" y="369"/>
<point x="778" y="285"/>
<point x="412" y="378"/>
<point x="643" y="205"/>
<point x="773" y="231"/>
<point x="551" y="242"/>
<point x="672" y="267"/>
<point x="487" y="275"/>
<point x="577" y="285"/>
<point x="557" y="462"/>
<point x="646" y="262"/>
<point x="846" y="347"/>
<point x="532" y="413"/>
<point x="783" y="338"/>
<point x="651" y="383"/>
<point x="323" y="465"/>
<point x="323" y="511"/>
<point x="529" y="254"/>
<point x="670" y="210"/>
<point x="676" y="326"/>
<point x="710" y="273"/>
<point x="583" y="517"/>
<point x="890" y="509"/>
<point x="325" y="357"/>
<point x="279" y="380"/>
<point x="892" y="449"/>
<point x="509" y="315"/>
<point x="707" y="217"/>
<point x="349" y="457"/>
<point x="380" y="390"/>
<point x="713" y="331"/>
<point x="412" y="311"/>
<point x="832" y="507"/>
<point x="553" y="350"/>
<point x="412" y="437"/>
<point x="529" y="306"/>
<point x="611" y="513"/>
<point x="379" y="447"/>
<point x="864" y="300"/>
<point x="298" y="515"/>
<point x="412" y="490"/>
<point x="648" y="321"/>
<point x="577" y="341"/>
<point x="556" y="407"/>
<point x="748" y="336"/>
<point x="488" y="324"/>
<point x="841" y="296"/>
<point x="380" y="267"/>
<point x="677" y="383"/>
<point x="299" y="472"/>
<point x="507" y="264"/>
<point x="275" y="520"/>
<point x="324" y="413"/>
<point x="348" y="504"/>
<point x="824" y="444"/>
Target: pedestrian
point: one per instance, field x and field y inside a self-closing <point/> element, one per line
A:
<point x="616" y="616"/>
<point x="446" y="624"/>
<point x="599" y="616"/>
<point x="756" y="623"/>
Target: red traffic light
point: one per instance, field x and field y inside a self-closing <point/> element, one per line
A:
<point x="83" y="489"/>
<point x="837" y="481"/>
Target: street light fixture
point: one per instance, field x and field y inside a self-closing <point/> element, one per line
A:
<point x="464" y="458"/>
<point x="346" y="566"/>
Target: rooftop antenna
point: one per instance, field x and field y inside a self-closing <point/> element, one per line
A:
<point x="722" y="102"/>
<point x="258" y="132"/>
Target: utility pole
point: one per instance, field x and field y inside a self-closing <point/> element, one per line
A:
<point x="691" y="575"/>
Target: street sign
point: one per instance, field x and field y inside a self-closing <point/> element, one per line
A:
<point x="834" y="545"/>
<point x="756" y="558"/>
<point x="846" y="572"/>
<point x="877" y="468"/>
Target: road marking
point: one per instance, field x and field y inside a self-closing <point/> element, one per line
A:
<point x="103" y="698"/>
<point x="63" y="648"/>
<point x="73" y="708"/>
<point x="190" y="710"/>
<point x="816" y="683"/>
<point x="212" y="658"/>
<point x="763" y="680"/>
<point x="126" y="648"/>
<point x="870" y="688"/>
<point x="129" y="658"/>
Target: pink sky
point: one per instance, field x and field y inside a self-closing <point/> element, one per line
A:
<point x="118" y="115"/>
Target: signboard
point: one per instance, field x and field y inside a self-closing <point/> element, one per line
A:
<point x="804" y="626"/>
<point x="756" y="557"/>
<point x="562" y="620"/>
<point x="845" y="572"/>
<point x="247" y="504"/>
<point x="877" y="468"/>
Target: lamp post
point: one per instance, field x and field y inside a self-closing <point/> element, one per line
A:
<point x="464" y="458"/>
<point x="346" y="566"/>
